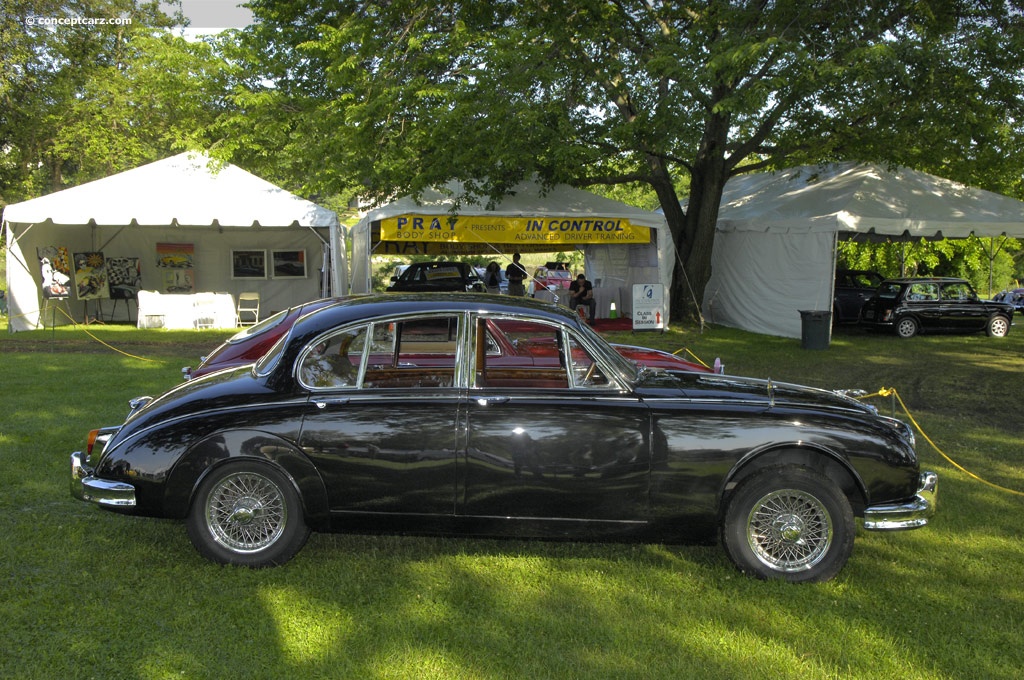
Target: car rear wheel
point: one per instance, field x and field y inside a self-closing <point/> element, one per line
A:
<point x="249" y="514"/>
<point x="997" y="327"/>
<point x="906" y="327"/>
<point x="789" y="523"/>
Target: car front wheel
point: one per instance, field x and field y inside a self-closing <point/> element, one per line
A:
<point x="789" y="523"/>
<point x="249" y="514"/>
<point x="997" y="327"/>
<point x="906" y="327"/>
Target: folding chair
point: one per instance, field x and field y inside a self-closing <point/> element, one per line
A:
<point x="248" y="311"/>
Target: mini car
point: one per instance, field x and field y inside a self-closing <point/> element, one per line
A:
<point x="392" y="413"/>
<point x="853" y="287"/>
<point x="436" y="277"/>
<point x="250" y="344"/>
<point x="909" y="306"/>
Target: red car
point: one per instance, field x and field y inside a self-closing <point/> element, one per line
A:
<point x="510" y="342"/>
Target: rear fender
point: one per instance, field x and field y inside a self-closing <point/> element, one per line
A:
<point x="222" y="447"/>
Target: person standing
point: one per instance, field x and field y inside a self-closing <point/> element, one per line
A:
<point x="581" y="292"/>
<point x="492" y="278"/>
<point x="516" y="275"/>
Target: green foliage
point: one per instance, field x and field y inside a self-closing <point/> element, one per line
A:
<point x="673" y="97"/>
<point x="990" y="264"/>
<point x="85" y="101"/>
<point x="406" y="607"/>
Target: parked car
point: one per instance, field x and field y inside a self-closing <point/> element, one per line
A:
<point x="249" y="345"/>
<point x="553" y="276"/>
<point x="436" y="277"/>
<point x="853" y="287"/>
<point x="909" y="306"/>
<point x="386" y="413"/>
<point x="252" y="342"/>
<point x="1013" y="297"/>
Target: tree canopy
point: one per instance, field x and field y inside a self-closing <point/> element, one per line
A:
<point x="674" y="96"/>
<point x="649" y="97"/>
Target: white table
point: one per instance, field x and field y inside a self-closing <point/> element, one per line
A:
<point x="181" y="311"/>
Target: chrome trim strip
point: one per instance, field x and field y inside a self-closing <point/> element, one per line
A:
<point x="912" y="514"/>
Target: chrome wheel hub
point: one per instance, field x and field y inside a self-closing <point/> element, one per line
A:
<point x="246" y="512"/>
<point x="789" y="530"/>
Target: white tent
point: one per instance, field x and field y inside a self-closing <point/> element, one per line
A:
<point x="215" y="214"/>
<point x="530" y="219"/>
<point x="775" y="241"/>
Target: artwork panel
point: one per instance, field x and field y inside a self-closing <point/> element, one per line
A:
<point x="91" y="276"/>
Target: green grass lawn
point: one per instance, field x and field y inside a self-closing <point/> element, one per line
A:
<point x="89" y="594"/>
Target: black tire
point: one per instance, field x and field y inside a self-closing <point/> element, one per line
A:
<point x="907" y="327"/>
<point x="997" y="327"/>
<point x="247" y="513"/>
<point x="789" y="523"/>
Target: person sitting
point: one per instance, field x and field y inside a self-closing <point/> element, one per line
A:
<point x="581" y="292"/>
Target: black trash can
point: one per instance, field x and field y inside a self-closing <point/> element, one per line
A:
<point x="816" y="329"/>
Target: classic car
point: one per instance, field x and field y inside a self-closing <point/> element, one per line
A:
<point x="1013" y="297"/>
<point x="853" y="287"/>
<point x="388" y="413"/>
<point x="909" y="306"/>
<point x="431" y="277"/>
<point x="250" y="344"/>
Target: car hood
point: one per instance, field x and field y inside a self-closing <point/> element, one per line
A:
<point x="737" y="390"/>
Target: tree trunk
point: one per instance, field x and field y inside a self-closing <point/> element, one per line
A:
<point x="694" y="233"/>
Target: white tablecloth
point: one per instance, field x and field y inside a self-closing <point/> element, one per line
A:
<point x="180" y="311"/>
<point x="604" y="297"/>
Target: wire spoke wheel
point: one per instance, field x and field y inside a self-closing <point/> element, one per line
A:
<point x="789" y="530"/>
<point x="246" y="512"/>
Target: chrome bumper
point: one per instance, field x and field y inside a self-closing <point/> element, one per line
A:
<point x="85" y="487"/>
<point x="909" y="515"/>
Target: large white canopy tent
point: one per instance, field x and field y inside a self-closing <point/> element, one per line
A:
<point x="775" y="240"/>
<point x="621" y="245"/>
<point x="214" y="208"/>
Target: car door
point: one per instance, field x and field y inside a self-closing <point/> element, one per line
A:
<point x="961" y="310"/>
<point x="921" y="299"/>
<point x="547" y="441"/>
<point x="382" y="414"/>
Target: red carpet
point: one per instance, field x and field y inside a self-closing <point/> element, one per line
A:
<point x="613" y="325"/>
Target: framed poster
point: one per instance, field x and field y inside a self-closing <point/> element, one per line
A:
<point x="91" y="276"/>
<point x="175" y="262"/>
<point x="248" y="264"/>
<point x="125" y="277"/>
<point x="289" y="264"/>
<point x="55" y="271"/>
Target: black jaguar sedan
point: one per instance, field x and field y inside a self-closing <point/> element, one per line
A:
<point x="392" y="413"/>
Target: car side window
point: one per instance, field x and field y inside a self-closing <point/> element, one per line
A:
<point x="957" y="291"/>
<point x="921" y="292"/>
<point x="333" y="362"/>
<point x="418" y="352"/>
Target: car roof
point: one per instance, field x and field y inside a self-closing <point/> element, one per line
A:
<point x="927" y="279"/>
<point x="356" y="307"/>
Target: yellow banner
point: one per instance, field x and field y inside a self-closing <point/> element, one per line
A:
<point x="516" y="231"/>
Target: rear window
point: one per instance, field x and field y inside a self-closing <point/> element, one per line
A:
<point x="889" y="290"/>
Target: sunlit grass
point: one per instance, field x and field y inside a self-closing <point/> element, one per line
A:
<point x="86" y="593"/>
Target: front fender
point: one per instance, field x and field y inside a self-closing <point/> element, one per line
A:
<point x="221" y="447"/>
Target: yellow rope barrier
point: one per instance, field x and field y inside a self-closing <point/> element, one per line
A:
<point x="105" y="344"/>
<point x="891" y="392"/>
<point x="695" y="357"/>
